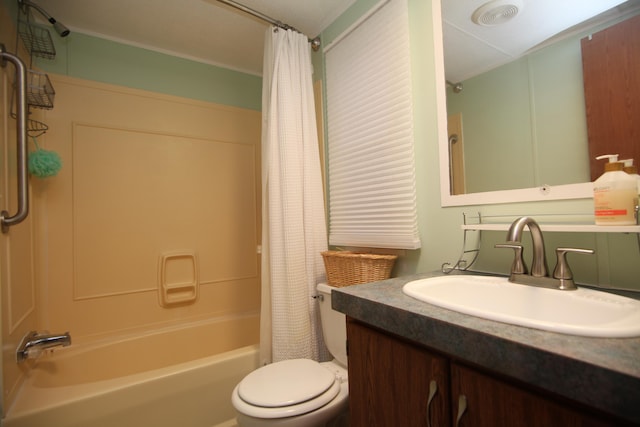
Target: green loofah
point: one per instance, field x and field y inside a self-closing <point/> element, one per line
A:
<point x="44" y="163"/>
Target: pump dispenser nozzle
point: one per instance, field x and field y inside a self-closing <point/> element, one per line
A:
<point x="613" y="164"/>
<point x="613" y="158"/>
<point x="628" y="166"/>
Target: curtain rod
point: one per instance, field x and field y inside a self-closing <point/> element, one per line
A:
<point x="315" y="43"/>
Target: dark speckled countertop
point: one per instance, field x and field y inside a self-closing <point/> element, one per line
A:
<point x="601" y="372"/>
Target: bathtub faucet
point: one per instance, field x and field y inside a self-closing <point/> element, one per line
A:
<point x="33" y="343"/>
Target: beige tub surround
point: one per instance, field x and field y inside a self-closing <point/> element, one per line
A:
<point x="152" y="223"/>
<point x="161" y="209"/>
<point x="173" y="376"/>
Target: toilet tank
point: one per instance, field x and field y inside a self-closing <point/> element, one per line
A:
<point x="334" y="327"/>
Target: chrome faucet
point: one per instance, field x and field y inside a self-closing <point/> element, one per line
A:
<point x="562" y="277"/>
<point x="33" y="343"/>
<point x="539" y="266"/>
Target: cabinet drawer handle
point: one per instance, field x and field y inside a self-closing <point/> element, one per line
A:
<point x="462" y="408"/>
<point x="433" y="389"/>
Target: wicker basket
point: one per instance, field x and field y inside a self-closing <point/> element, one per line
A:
<point x="346" y="268"/>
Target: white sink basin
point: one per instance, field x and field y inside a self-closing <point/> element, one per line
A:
<point x="581" y="312"/>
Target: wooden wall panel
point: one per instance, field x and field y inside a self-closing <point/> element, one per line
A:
<point x="611" y="71"/>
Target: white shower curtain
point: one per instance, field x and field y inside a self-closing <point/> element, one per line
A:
<point x="293" y="214"/>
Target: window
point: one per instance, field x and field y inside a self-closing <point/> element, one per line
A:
<point x="372" y="191"/>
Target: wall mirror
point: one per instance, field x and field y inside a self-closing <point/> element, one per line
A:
<point x="514" y="98"/>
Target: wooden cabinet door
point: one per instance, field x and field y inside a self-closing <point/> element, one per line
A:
<point x="610" y="65"/>
<point x="494" y="403"/>
<point x="390" y="381"/>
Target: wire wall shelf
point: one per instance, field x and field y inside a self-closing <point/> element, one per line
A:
<point x="474" y="224"/>
<point x="40" y="92"/>
<point x="34" y="127"/>
<point x="36" y="40"/>
<point x="568" y="223"/>
<point x="470" y="246"/>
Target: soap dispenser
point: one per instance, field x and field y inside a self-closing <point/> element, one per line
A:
<point x="614" y="194"/>
<point x="632" y="170"/>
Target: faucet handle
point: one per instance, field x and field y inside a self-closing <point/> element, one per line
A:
<point x="562" y="272"/>
<point x="518" y="266"/>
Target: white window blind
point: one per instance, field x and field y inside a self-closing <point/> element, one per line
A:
<point x="372" y="191"/>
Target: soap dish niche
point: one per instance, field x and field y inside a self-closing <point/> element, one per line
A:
<point x="178" y="278"/>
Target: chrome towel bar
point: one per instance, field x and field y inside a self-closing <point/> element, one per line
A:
<point x="21" y="153"/>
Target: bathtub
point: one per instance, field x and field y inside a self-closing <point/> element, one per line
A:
<point x="175" y="377"/>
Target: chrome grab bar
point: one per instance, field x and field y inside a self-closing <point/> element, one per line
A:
<point x="22" y="155"/>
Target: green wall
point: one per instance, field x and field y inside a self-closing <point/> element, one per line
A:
<point x="92" y="58"/>
<point x="531" y="112"/>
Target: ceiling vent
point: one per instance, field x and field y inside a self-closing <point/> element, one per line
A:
<point x="497" y="12"/>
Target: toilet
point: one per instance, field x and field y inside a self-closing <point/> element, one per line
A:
<point x="300" y="392"/>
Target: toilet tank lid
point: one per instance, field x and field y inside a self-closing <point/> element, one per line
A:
<point x="324" y="288"/>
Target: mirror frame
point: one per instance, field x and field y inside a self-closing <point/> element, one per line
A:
<point x="559" y="192"/>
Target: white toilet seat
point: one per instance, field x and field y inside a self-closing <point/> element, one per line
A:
<point x="285" y="389"/>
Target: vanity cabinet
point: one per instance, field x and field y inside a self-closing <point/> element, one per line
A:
<point x="391" y="382"/>
<point x="492" y="402"/>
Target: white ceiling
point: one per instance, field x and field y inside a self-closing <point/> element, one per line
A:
<point x="471" y="49"/>
<point x="203" y="30"/>
<point x="210" y="32"/>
